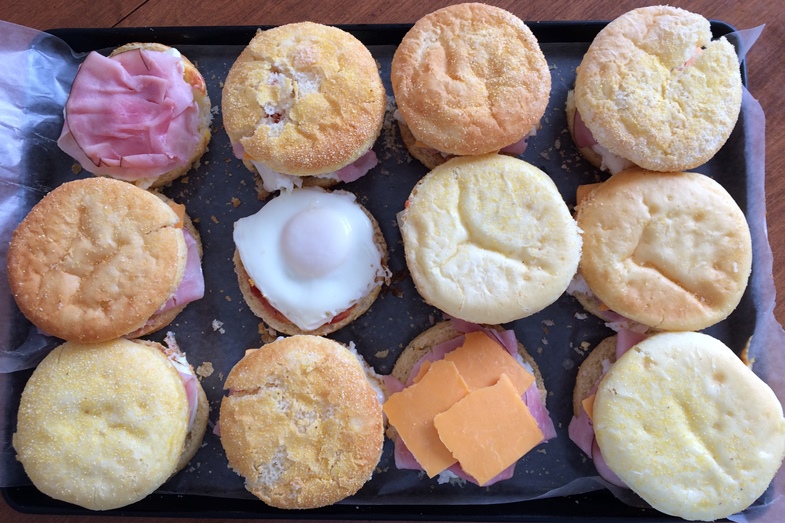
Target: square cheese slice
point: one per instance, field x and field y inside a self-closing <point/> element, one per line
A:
<point x="412" y="411"/>
<point x="488" y="430"/>
<point x="481" y="361"/>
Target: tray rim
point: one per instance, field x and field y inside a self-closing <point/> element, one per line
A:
<point x="23" y="499"/>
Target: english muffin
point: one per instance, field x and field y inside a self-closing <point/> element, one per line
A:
<point x="709" y="433"/>
<point x="104" y="425"/>
<point x="654" y="90"/>
<point x="671" y="251"/>
<point x="310" y="261"/>
<point x="304" y="103"/>
<point x="97" y="259"/>
<point x="489" y="239"/>
<point x="302" y="423"/>
<point x="141" y="115"/>
<point x="468" y="79"/>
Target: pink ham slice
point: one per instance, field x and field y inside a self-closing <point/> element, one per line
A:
<point x="358" y="168"/>
<point x="191" y="287"/>
<point x="517" y="148"/>
<point x="582" y="135"/>
<point x="131" y="116"/>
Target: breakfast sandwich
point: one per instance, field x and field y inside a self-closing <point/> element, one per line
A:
<point x="304" y="104"/>
<point x="457" y="395"/>
<point x="142" y="115"/>
<point x="654" y="90"/>
<point x="302" y="422"/>
<point x="103" y="425"/>
<point x="97" y="259"/>
<point x="489" y="239"/>
<point x="468" y="79"/>
<point x="670" y="251"/>
<point x="681" y="406"/>
<point x="310" y="261"/>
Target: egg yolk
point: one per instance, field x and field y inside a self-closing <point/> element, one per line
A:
<point x="316" y="241"/>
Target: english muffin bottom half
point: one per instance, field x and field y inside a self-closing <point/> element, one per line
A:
<point x="114" y="99"/>
<point x="311" y="261"/>
<point x="671" y="251"/>
<point x="681" y="406"/>
<point x="104" y="425"/>
<point x="654" y="90"/>
<point x="97" y="259"/>
<point x="489" y="239"/>
<point x="302" y="423"/>
<point x="304" y="103"/>
<point x="468" y="79"/>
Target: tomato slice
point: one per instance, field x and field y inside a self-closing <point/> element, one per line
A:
<point x="278" y="315"/>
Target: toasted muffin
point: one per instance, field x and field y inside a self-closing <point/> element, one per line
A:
<point x="104" y="425"/>
<point x="96" y="259"/>
<point x="489" y="239"/>
<point x="468" y="79"/>
<point x="304" y="100"/>
<point x="668" y="250"/>
<point x="655" y="89"/>
<point x="591" y="372"/>
<point x="707" y="431"/>
<point x="123" y="144"/>
<point x="302" y="424"/>
<point x="314" y="261"/>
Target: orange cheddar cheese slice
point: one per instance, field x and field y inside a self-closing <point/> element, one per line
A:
<point x="412" y="411"/>
<point x="179" y="210"/>
<point x="493" y="418"/>
<point x="588" y="406"/>
<point x="420" y="373"/>
<point x="481" y="361"/>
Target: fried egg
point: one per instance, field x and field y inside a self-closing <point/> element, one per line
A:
<point x="311" y="253"/>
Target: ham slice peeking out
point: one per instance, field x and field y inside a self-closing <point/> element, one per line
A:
<point x="131" y="116"/>
<point x="475" y="393"/>
<point x="581" y="428"/>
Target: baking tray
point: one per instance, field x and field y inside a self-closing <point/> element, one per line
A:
<point x="398" y="315"/>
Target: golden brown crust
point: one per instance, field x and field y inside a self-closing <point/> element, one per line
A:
<point x="304" y="99"/>
<point x="470" y="79"/>
<point x="439" y="333"/>
<point x="668" y="250"/>
<point x="276" y="321"/>
<point x="102" y="425"/>
<point x="686" y="394"/>
<point x="591" y="370"/>
<point x="647" y="96"/>
<point x="191" y="75"/>
<point x="95" y="259"/>
<point x="489" y="249"/>
<point x="301" y="424"/>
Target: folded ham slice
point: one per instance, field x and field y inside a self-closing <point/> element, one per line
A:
<point x="191" y="287"/>
<point x="131" y="116"/>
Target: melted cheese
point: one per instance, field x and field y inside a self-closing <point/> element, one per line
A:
<point x="481" y="361"/>
<point x="488" y="430"/>
<point x="412" y="411"/>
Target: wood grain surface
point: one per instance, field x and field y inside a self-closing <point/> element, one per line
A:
<point x="764" y="65"/>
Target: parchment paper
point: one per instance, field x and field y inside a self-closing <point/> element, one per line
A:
<point x="33" y="89"/>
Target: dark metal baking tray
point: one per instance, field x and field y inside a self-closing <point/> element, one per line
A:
<point x="383" y="192"/>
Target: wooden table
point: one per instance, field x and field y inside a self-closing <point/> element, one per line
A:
<point x="765" y="83"/>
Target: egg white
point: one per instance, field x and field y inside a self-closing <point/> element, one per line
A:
<point x="333" y="264"/>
